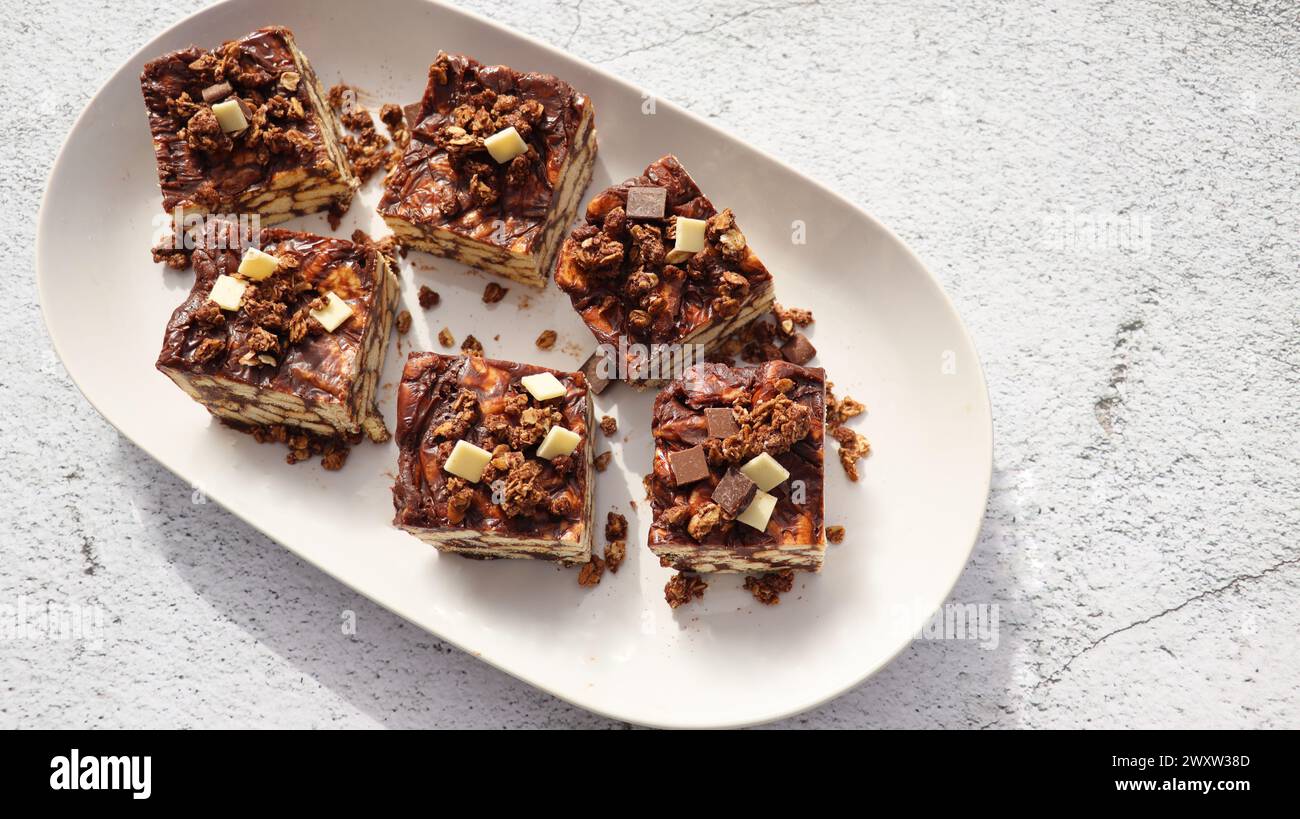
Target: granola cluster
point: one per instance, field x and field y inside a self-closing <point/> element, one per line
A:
<point x="767" y="588"/>
<point x="275" y="313"/>
<point x="302" y="445"/>
<point x="478" y="113"/>
<point x="683" y="588"/>
<point x="853" y="446"/>
<point x="367" y="149"/>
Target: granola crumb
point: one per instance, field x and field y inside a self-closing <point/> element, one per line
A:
<point x="683" y="588"/>
<point x="494" y="293"/>
<point x="609" y="425"/>
<point x="445" y="338"/>
<point x="835" y="534"/>
<point x="615" y="553"/>
<point x="302" y="445"/>
<point x="546" y="340"/>
<point x="429" y="297"/>
<point x="403" y="322"/>
<point x="590" y="573"/>
<point x="853" y="448"/>
<point x="768" y="588"/>
<point x="471" y="346"/>
<point x="602" y="460"/>
<point x="615" y="526"/>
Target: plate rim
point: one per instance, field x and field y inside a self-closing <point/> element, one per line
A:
<point x="821" y="188"/>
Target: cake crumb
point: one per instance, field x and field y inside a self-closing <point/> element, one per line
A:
<point x="546" y="340"/>
<point x="768" y="588"/>
<point x="683" y="588"/>
<point x="602" y="460"/>
<point x="403" y="322"/>
<point x="471" y="346"/>
<point x="608" y="425"/>
<point x="835" y="534"/>
<point x="445" y="338"/>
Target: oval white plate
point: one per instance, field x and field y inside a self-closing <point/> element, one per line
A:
<point x="887" y="333"/>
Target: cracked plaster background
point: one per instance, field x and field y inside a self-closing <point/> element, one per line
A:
<point x="1140" y="539"/>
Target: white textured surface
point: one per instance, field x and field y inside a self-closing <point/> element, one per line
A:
<point x="1141" y="537"/>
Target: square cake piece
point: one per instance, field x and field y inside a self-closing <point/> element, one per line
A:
<point x="659" y="275"/>
<point x="496" y="166"/>
<point x="737" y="481"/>
<point x="293" y="335"/>
<point x="494" y="458"/>
<point x="243" y="129"/>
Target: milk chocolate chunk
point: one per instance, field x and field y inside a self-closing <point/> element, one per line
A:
<point x="721" y="422"/>
<point x="798" y="350"/>
<point x="734" y="493"/>
<point x="217" y="93"/>
<point x="646" y="202"/>
<point x="688" y="465"/>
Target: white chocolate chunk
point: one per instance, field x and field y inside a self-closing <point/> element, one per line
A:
<point x="764" y="471"/>
<point x="467" y="461"/>
<point x="257" y="265"/>
<point x="759" y="511"/>
<point x="227" y="292"/>
<point x="505" y="145"/>
<point x="558" y="441"/>
<point x="689" y="241"/>
<point x="334" y="313"/>
<point x="230" y="116"/>
<point x="543" y="386"/>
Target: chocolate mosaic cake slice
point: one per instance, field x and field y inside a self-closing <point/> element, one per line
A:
<point x="659" y="275"/>
<point x="738" y="472"/>
<point x="244" y="129"/>
<point x="496" y="166"/>
<point x="494" y="458"/>
<point x="291" y="334"/>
